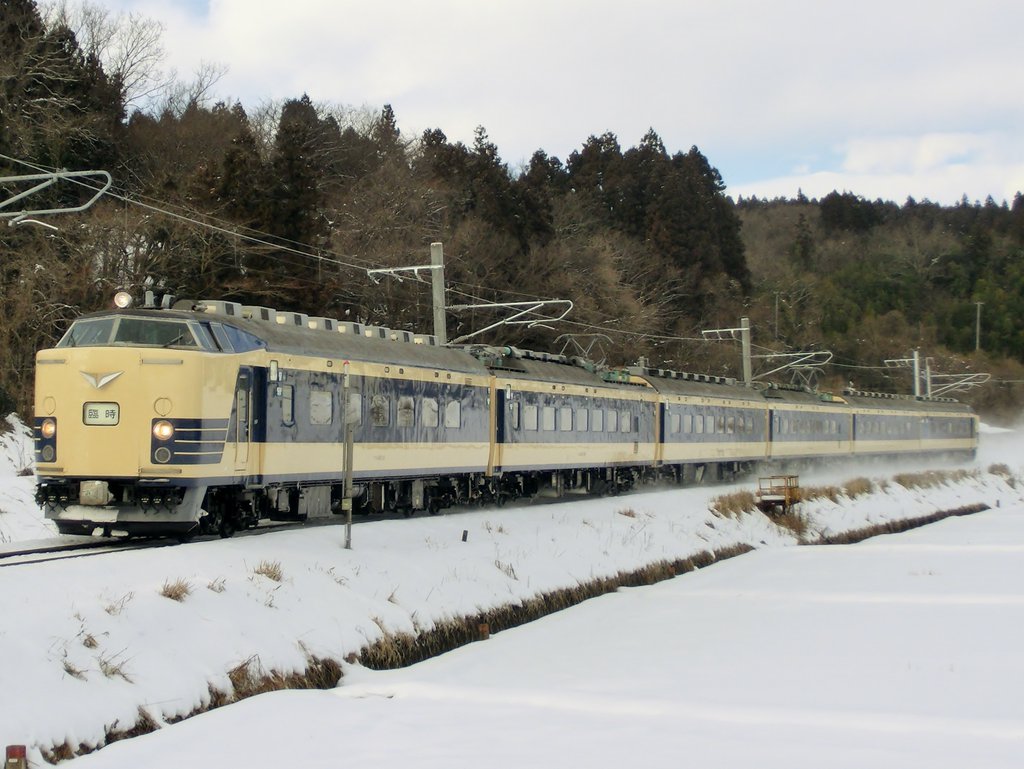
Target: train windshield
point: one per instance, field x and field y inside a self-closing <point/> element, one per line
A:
<point x="130" y="332"/>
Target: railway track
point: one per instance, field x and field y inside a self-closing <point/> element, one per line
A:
<point x="67" y="547"/>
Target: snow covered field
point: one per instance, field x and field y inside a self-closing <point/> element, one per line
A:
<point x="903" y="651"/>
<point x="877" y="654"/>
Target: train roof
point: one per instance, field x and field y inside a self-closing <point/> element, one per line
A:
<point x="298" y="334"/>
<point x="543" y="367"/>
<point x="702" y="385"/>
<point x="865" y="400"/>
<point x="295" y="338"/>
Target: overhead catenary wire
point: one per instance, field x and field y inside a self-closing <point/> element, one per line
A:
<point x="296" y="250"/>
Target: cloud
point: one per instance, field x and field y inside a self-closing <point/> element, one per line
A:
<point x="899" y="93"/>
<point x="940" y="167"/>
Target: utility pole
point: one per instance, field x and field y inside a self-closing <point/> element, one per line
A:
<point x="436" y="268"/>
<point x="977" y="328"/>
<point x="437" y="289"/>
<point x="743" y="333"/>
<point x="748" y="375"/>
<point x="776" y="314"/>
<point x="917" y="373"/>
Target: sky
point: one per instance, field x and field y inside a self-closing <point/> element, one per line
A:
<point x="901" y="651"/>
<point x="883" y="98"/>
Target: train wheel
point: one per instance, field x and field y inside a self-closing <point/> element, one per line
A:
<point x="227" y="527"/>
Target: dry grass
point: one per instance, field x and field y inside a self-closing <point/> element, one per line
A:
<point x="395" y="650"/>
<point x="216" y="585"/>
<point x="831" y="493"/>
<point x="792" y="521"/>
<point x="269" y="569"/>
<point x="115" y="608"/>
<point x="251" y="678"/>
<point x="177" y="590"/>
<point x="896" y="527"/>
<point x="731" y="505"/>
<point x="112" y="667"/>
<point x="858" y="487"/>
<point x="628" y="512"/>
<point x="72" y="670"/>
<point x="1004" y="472"/>
<point x="929" y="479"/>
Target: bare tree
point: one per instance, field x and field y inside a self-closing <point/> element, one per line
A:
<point x="128" y="46"/>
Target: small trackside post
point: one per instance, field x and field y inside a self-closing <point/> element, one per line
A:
<point x="16" y="757"/>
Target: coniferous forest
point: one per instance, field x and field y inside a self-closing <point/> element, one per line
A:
<point x="287" y="204"/>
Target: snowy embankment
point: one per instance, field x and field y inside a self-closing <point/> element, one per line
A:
<point x="92" y="646"/>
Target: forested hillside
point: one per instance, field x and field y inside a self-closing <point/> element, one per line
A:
<point x="287" y="204"/>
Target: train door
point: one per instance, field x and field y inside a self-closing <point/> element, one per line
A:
<point x="243" y="418"/>
<point x="660" y="419"/>
<point x="500" y="400"/>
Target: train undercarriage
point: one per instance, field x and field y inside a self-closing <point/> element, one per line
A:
<point x="125" y="508"/>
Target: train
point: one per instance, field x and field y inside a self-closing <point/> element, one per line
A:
<point x="210" y="416"/>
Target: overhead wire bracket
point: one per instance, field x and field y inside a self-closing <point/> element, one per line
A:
<point x="518" y="318"/>
<point x="46" y="180"/>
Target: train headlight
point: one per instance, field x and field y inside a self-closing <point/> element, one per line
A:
<point x="163" y="430"/>
<point x="123" y="300"/>
<point x="48" y="428"/>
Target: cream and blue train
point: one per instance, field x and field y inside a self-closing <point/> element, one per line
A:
<point x="212" y="416"/>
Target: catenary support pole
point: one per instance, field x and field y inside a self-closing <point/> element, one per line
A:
<point x="748" y="376"/>
<point x="437" y="286"/>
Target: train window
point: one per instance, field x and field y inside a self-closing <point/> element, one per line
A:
<point x="625" y="423"/>
<point x="513" y="415"/>
<point x="288" y="404"/>
<point x="597" y="420"/>
<point x="565" y="419"/>
<point x="548" y="418"/>
<point x="721" y="424"/>
<point x="741" y="425"/>
<point x="675" y="420"/>
<point x="406" y="411"/>
<point x="530" y="416"/>
<point x="160" y="333"/>
<point x="88" y="333"/>
<point x="453" y="414"/>
<point x="730" y="425"/>
<point x="355" y="409"/>
<point x="205" y="336"/>
<point x="582" y="420"/>
<point x="380" y="411"/>
<point x="613" y="421"/>
<point x="687" y="423"/>
<point x="243" y="341"/>
<point x="321" y="407"/>
<point x="709" y="423"/>
<point x="698" y="423"/>
<point x="222" y="339"/>
<point x="428" y="412"/>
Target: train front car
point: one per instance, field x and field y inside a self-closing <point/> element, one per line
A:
<point x="132" y="412"/>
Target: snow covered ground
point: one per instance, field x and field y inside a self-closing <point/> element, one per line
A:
<point x="898" y="652"/>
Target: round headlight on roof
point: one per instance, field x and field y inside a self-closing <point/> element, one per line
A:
<point x="122" y="300"/>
